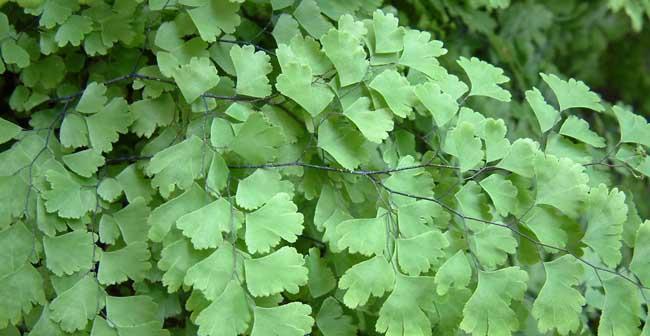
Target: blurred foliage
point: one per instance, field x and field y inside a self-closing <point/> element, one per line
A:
<point x="603" y="42"/>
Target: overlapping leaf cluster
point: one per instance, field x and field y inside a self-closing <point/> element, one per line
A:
<point x="162" y="174"/>
<point x="569" y="36"/>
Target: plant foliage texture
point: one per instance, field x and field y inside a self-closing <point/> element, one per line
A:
<point x="174" y="167"/>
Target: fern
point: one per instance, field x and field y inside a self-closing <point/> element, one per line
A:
<point x="189" y="173"/>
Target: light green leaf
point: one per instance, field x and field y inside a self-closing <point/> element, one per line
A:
<point x="48" y="223"/>
<point x="634" y="128"/>
<point x="450" y="84"/>
<point x="371" y="277"/>
<point x="548" y="224"/>
<point x="558" y="304"/>
<point x="622" y="309"/>
<point x="148" y="114"/>
<point x="561" y="183"/>
<point x="57" y="12"/>
<point x="68" y="196"/>
<point x="129" y="262"/>
<point x="152" y="89"/>
<point x="463" y="143"/>
<point x="640" y="263"/>
<point x="8" y="130"/>
<point x="449" y="311"/>
<point x="291" y="319"/>
<point x="93" y="98"/>
<point x="605" y="213"/>
<point x="633" y="223"/>
<point x="405" y="311"/>
<point x="330" y="235"/>
<point x="328" y="202"/>
<point x="414" y="181"/>
<point x="286" y="28"/>
<point x="502" y="193"/>
<point x="220" y="53"/>
<point x="304" y="50"/>
<point x="366" y="236"/>
<point x="561" y="146"/>
<point x="239" y="111"/>
<point x="163" y="217"/>
<point x="74" y="307"/>
<point x="227" y="315"/>
<point x="347" y="54"/>
<point x="134" y="315"/>
<point x="258" y="140"/>
<point x="343" y="142"/>
<point x="374" y="125"/>
<point x="456" y="272"/>
<point x="572" y="93"/>
<point x="485" y="79"/>
<point x="85" y="162"/>
<point x="295" y="82"/>
<point x="488" y="310"/>
<point x="252" y="69"/>
<point x="337" y="8"/>
<point x="218" y="174"/>
<point x="388" y="34"/>
<point x="521" y="157"/>
<point x="493" y="244"/>
<point x="212" y="275"/>
<point x="418" y="254"/>
<point x="73" y="30"/>
<point x="578" y="129"/>
<point x="167" y="171"/>
<point x="644" y="166"/>
<point x="349" y="24"/>
<point x="309" y="15"/>
<point x="45" y="326"/>
<point x="420" y="53"/>
<point x="21" y="285"/>
<point x="282" y="270"/>
<point x="490" y="4"/>
<point x="546" y="114"/>
<point x="473" y="203"/>
<point x="635" y="157"/>
<point x="175" y="259"/>
<point x="206" y="225"/>
<point x="259" y="187"/>
<point x="105" y="126"/>
<point x="215" y="16"/>
<point x="497" y="145"/>
<point x="132" y="221"/>
<point x="70" y="252"/>
<point x="277" y="220"/>
<point x="108" y="230"/>
<point x="12" y="53"/>
<point x="280" y="4"/>
<point x="73" y="132"/>
<point x="13" y="192"/>
<point x="396" y="91"/>
<point x="331" y="320"/>
<point x="195" y="78"/>
<point x="441" y="105"/>
<point x="476" y="119"/>
<point x="321" y="279"/>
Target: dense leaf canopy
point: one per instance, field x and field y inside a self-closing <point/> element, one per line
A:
<point x="325" y="167"/>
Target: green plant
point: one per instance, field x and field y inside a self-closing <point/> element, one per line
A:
<point x="163" y="171"/>
<point x="571" y="37"/>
